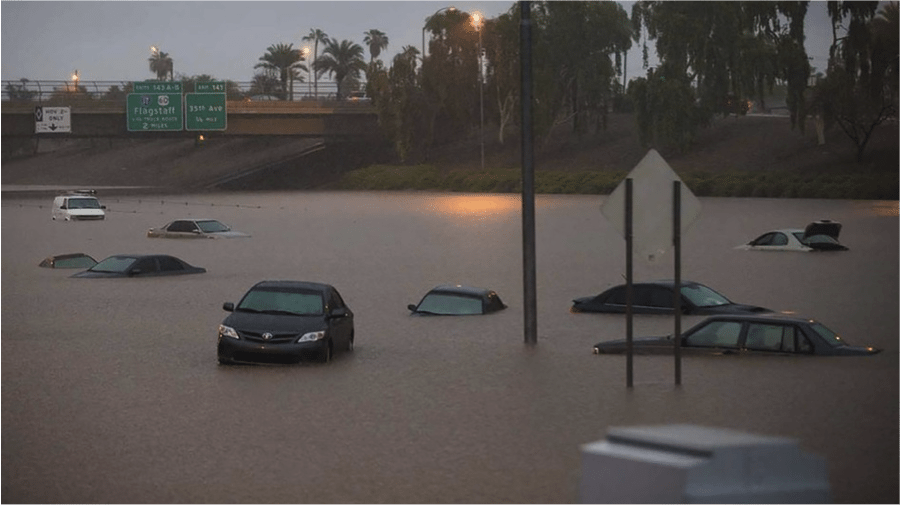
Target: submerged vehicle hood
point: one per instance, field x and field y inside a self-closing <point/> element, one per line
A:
<point x="732" y="308"/>
<point x="260" y="322"/>
<point x="231" y="234"/>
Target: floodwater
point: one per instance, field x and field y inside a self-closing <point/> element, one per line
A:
<point x="112" y="394"/>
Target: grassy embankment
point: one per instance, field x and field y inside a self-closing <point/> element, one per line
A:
<point x="736" y="157"/>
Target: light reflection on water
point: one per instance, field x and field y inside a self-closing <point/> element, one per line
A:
<point x="111" y="392"/>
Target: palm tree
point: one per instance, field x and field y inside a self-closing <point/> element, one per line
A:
<point x="161" y="64"/>
<point x="377" y="41"/>
<point x="316" y="35"/>
<point x="285" y="60"/>
<point x="342" y="60"/>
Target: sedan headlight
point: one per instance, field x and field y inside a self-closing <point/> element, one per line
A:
<point x="311" y="336"/>
<point x="227" y="331"/>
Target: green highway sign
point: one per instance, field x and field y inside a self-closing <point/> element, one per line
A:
<point x="205" y="111"/>
<point x="154" y="112"/>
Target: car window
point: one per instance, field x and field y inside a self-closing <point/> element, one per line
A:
<point x="450" y="304"/>
<point x="335" y="301"/>
<point x="304" y="303"/>
<point x="719" y="334"/>
<point x="779" y="239"/>
<point x="170" y="264"/>
<point x="765" y="337"/>
<point x="703" y="296"/>
<point x="146" y="265"/>
<point x="182" y="226"/>
<point x="661" y="297"/>
<point x="763" y="240"/>
<point x="616" y="296"/>
<point x="113" y="264"/>
<point x="211" y="226"/>
<point x="827" y="334"/>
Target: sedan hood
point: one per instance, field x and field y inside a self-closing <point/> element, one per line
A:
<point x="244" y="321"/>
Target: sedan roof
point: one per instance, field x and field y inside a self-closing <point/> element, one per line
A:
<point x="461" y="289"/>
<point x="294" y="285"/>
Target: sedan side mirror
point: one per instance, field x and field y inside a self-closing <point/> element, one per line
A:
<point x="339" y="312"/>
<point x="228" y="306"/>
<point x="411" y="307"/>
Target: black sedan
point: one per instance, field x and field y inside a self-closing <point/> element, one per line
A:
<point x="285" y="321"/>
<point x="657" y="297"/>
<point x="457" y="300"/>
<point x="126" y="266"/>
<point x="739" y="334"/>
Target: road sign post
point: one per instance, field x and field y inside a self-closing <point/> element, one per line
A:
<point x="155" y="106"/>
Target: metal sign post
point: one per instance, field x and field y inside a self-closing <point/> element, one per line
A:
<point x="528" y="225"/>
<point x="629" y="268"/>
<point x="676" y="242"/>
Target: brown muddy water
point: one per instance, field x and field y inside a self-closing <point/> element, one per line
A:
<point x="112" y="394"/>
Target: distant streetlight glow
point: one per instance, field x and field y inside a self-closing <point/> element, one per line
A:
<point x="75" y="81"/>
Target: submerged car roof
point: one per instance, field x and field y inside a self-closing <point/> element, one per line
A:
<point x="461" y="289"/>
<point x="767" y="317"/>
<point x="303" y="285"/>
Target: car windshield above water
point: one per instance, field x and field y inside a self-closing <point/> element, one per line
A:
<point x="703" y="296"/>
<point x="282" y="301"/>
<point x="83" y="203"/>
<point x="114" y="264"/>
<point x="450" y="304"/>
<point x="211" y="226"/>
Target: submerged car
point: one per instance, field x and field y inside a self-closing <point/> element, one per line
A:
<point x="740" y="334"/>
<point x="819" y="235"/>
<point x="195" y="229"/>
<point x="130" y="266"/>
<point x="657" y="297"/>
<point x="68" y="261"/>
<point x="285" y="321"/>
<point x="457" y="300"/>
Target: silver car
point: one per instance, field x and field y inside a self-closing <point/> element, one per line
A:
<point x="195" y="229"/>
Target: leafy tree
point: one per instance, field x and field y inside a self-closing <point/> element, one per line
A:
<point x="115" y="94"/>
<point x="401" y="104"/>
<point x="860" y="89"/>
<point x="284" y="60"/>
<point x="315" y="36"/>
<point x="19" y="92"/>
<point x="718" y="54"/>
<point x="161" y="64"/>
<point x="450" y="77"/>
<point x="377" y="42"/>
<point x="340" y="60"/>
<point x="266" y="83"/>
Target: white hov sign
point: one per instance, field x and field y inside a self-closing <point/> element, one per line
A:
<point x="52" y="120"/>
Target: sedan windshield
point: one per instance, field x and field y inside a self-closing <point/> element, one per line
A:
<point x="827" y="334"/>
<point x="113" y="264"/>
<point x="282" y="302"/>
<point x="703" y="296"/>
<point x="210" y="226"/>
<point x="449" y="304"/>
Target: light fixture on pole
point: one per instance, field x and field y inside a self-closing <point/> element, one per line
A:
<point x="478" y="23"/>
<point x="75" y="82"/>
<point x="305" y="51"/>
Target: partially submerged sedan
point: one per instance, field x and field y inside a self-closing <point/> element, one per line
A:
<point x="457" y="300"/>
<point x="658" y="297"/>
<point x="819" y="235"/>
<point x="285" y="321"/>
<point x="130" y="266"/>
<point x="739" y="334"/>
<point x="195" y="229"/>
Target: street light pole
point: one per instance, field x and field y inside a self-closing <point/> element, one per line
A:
<point x="477" y="21"/>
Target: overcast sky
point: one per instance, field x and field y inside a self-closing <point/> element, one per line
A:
<point x="110" y="41"/>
